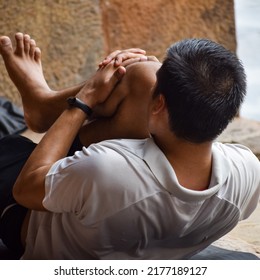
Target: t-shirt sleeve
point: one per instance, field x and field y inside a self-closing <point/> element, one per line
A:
<point x="78" y="184"/>
<point x="85" y="184"/>
<point x="252" y="196"/>
<point x="63" y="183"/>
<point x="248" y="171"/>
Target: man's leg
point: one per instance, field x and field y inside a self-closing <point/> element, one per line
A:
<point x="131" y="117"/>
<point x="41" y="104"/>
<point x="14" y="152"/>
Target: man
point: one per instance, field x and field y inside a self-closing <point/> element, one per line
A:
<point x="163" y="197"/>
<point x="41" y="108"/>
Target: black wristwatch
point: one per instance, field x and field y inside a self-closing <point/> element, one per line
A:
<point x="75" y="102"/>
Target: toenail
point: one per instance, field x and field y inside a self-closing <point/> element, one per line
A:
<point x="19" y="36"/>
<point x="4" y="41"/>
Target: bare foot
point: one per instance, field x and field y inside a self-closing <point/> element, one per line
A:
<point x="24" y="67"/>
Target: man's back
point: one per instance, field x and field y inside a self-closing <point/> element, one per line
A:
<point x="131" y="205"/>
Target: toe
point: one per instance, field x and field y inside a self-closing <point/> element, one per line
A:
<point x="32" y="48"/>
<point x="5" y="45"/>
<point x="19" y="38"/>
<point x="26" y="43"/>
<point x="37" y="54"/>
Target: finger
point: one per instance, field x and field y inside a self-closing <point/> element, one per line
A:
<point x="135" y="50"/>
<point x="133" y="60"/>
<point x="110" y="57"/>
<point x="111" y="79"/>
<point x="112" y="74"/>
<point x="117" y="53"/>
<point x="125" y="56"/>
<point x="114" y="54"/>
<point x="152" y="58"/>
<point x="120" y="72"/>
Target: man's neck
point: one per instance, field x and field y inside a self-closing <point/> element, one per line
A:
<point x="191" y="162"/>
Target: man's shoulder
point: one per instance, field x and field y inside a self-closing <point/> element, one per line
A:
<point x="121" y="147"/>
<point x="237" y="154"/>
<point x="231" y="149"/>
<point x="122" y="143"/>
<point x="100" y="156"/>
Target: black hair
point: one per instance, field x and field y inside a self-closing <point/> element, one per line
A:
<point x="204" y="85"/>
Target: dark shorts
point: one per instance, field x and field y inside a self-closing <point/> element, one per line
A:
<point x="14" y="151"/>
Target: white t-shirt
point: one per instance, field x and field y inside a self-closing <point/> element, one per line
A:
<point x="120" y="199"/>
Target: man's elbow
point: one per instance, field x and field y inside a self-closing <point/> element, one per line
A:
<point x="18" y="193"/>
<point x="29" y="199"/>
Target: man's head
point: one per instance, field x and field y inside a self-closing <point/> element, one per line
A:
<point x="203" y="85"/>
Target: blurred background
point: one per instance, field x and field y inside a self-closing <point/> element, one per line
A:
<point x="247" y="18"/>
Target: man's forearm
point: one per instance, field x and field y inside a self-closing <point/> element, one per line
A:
<point x="29" y="188"/>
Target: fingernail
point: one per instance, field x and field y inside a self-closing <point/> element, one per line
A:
<point x="121" y="70"/>
<point x="143" y="58"/>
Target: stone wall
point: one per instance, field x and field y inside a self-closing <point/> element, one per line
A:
<point x="75" y="35"/>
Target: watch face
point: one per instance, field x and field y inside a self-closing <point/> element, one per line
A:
<point x="71" y="100"/>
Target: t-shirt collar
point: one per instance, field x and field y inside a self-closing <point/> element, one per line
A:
<point x="163" y="171"/>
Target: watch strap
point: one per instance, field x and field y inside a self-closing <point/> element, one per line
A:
<point x="75" y="102"/>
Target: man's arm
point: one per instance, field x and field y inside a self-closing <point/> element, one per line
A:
<point x="29" y="189"/>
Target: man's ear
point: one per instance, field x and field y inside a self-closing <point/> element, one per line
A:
<point x="158" y="104"/>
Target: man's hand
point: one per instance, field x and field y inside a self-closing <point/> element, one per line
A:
<point x="119" y="56"/>
<point x="98" y="88"/>
<point x="127" y="57"/>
